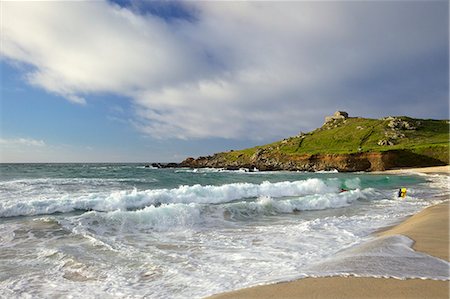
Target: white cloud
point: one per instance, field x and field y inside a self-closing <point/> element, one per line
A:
<point x="20" y="142"/>
<point x="81" y="47"/>
<point x="240" y="70"/>
<point x="30" y="150"/>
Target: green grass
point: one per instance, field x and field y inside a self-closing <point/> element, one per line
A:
<point x="345" y="138"/>
<point x="431" y="138"/>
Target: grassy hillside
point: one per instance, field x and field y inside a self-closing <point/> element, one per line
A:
<point x="426" y="137"/>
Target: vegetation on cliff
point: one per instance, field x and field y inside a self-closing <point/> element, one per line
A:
<point x="347" y="144"/>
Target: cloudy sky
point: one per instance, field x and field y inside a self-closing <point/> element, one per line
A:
<point x="124" y="81"/>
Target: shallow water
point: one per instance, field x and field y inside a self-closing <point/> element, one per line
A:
<point x="129" y="231"/>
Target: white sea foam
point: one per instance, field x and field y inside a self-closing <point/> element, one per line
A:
<point x="164" y="217"/>
<point x="327" y="171"/>
<point x="249" y="255"/>
<point x="267" y="205"/>
<point x="441" y="183"/>
<point x="176" y="216"/>
<point x="134" y="199"/>
<point x="224" y="170"/>
<point x="389" y="257"/>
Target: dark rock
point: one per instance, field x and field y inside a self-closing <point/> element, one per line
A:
<point x="165" y="165"/>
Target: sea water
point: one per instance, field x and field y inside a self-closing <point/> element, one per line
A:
<point x="125" y="230"/>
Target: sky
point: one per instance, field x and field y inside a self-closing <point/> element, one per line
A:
<point x="147" y="81"/>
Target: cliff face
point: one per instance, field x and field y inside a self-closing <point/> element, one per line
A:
<point x="346" y="144"/>
<point x="375" y="161"/>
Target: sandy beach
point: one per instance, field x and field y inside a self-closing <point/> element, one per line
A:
<point x="428" y="170"/>
<point x="430" y="231"/>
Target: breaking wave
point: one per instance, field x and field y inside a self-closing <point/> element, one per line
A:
<point x="176" y="215"/>
<point x="197" y="194"/>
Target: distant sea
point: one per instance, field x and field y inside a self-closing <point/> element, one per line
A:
<point x="124" y="230"/>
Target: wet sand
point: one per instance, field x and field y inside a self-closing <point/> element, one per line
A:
<point x="430" y="231"/>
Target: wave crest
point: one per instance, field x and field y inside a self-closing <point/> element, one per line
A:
<point x="179" y="215"/>
<point x="134" y="199"/>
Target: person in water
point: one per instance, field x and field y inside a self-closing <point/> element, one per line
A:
<point x="402" y="192"/>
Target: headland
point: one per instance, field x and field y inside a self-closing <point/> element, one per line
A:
<point x="346" y="144"/>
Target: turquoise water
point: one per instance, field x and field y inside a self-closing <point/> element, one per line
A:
<point x="136" y="175"/>
<point x="123" y="230"/>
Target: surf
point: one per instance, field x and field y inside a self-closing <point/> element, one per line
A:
<point x="134" y="199"/>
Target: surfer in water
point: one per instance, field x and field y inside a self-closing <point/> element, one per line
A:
<point x="402" y="192"/>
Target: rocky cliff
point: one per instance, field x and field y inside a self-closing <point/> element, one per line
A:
<point x="373" y="161"/>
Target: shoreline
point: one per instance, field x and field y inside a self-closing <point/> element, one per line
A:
<point x="426" y="170"/>
<point x="429" y="229"/>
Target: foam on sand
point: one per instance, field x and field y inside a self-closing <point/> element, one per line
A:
<point x="389" y="257"/>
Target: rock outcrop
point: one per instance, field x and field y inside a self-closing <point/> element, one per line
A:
<point x="394" y="130"/>
<point x="374" y="161"/>
<point x="396" y="123"/>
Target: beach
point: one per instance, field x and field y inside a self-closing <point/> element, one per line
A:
<point x="430" y="231"/>
<point x="428" y="170"/>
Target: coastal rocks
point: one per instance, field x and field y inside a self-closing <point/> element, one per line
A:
<point x="162" y="165"/>
<point x="385" y="142"/>
<point x="342" y="163"/>
<point x="265" y="161"/>
<point x="393" y="135"/>
<point x="257" y="155"/>
<point x="302" y="135"/>
<point x="391" y="138"/>
<point x="394" y="129"/>
<point x="397" y="123"/>
<point x="188" y="162"/>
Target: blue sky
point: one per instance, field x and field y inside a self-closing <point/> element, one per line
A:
<point x="134" y="81"/>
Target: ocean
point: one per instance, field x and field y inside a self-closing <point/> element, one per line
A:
<point x="129" y="231"/>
